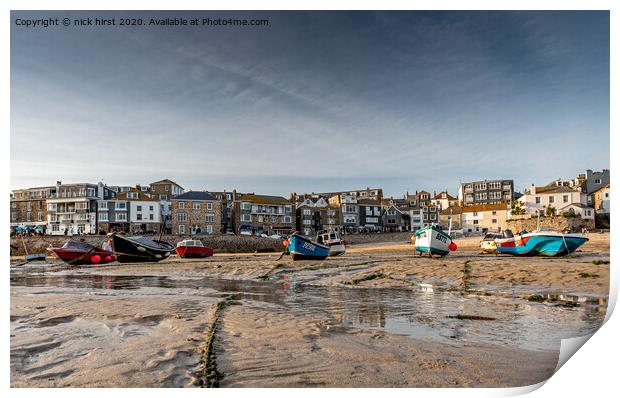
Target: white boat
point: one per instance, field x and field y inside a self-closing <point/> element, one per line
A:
<point x="331" y="239"/>
<point x="433" y="240"/>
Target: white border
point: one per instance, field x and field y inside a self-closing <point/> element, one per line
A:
<point x="592" y="371"/>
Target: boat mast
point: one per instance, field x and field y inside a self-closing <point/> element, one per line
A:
<point x="450" y="224"/>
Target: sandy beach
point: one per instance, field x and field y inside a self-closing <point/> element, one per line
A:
<point x="379" y="316"/>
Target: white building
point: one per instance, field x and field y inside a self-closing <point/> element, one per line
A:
<point x="584" y="211"/>
<point x="538" y="199"/>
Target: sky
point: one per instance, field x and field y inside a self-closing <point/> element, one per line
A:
<point x="315" y="101"/>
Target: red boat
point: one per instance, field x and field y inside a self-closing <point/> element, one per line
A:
<point x="78" y="253"/>
<point x="190" y="248"/>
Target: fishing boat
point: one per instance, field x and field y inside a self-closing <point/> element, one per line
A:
<point x="433" y="240"/>
<point x="78" y="253"/>
<point x="134" y="249"/>
<point x="540" y="243"/>
<point x="192" y="248"/>
<point x="302" y="248"/>
<point x="331" y="239"/>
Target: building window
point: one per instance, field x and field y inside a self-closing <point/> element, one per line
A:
<point x="103" y="205"/>
<point x="306" y="212"/>
<point x="163" y="197"/>
<point x="139" y="217"/>
<point x="132" y="195"/>
<point x="103" y="216"/>
<point x="246" y="206"/>
<point x="551" y="199"/>
<point x="167" y="188"/>
<point x="209" y="206"/>
<point x="121" y="205"/>
<point x="475" y="222"/>
<point x="209" y="229"/>
<point x="139" y="208"/>
<point x="565" y="198"/>
<point x="39" y="216"/>
<point x="475" y="214"/>
<point x="597" y="181"/>
<point x="121" y="217"/>
<point x="81" y="206"/>
<point x="537" y="200"/>
<point x="55" y="227"/>
<point x="494" y="221"/>
<point x="246" y="218"/>
<point x="181" y="229"/>
<point x="181" y="217"/>
<point x="151" y="208"/>
<point x="286" y="219"/>
<point x="28" y="216"/>
<point x="151" y="217"/>
<point x="494" y="213"/>
<point x="13" y="216"/>
<point x="196" y="205"/>
<point x="181" y="205"/>
<point x="210" y="218"/>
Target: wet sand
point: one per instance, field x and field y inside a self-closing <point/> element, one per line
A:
<point x="293" y="324"/>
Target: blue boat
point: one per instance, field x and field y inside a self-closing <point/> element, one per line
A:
<point x="541" y="243"/>
<point x="302" y="248"/>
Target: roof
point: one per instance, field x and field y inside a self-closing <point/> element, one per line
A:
<point x="601" y="188"/>
<point x="485" y="207"/>
<point x="553" y="189"/>
<point x="452" y="210"/>
<point x="141" y="196"/>
<point x="195" y="195"/>
<point x="365" y="201"/>
<point x="444" y="195"/>
<point x="581" y="206"/>
<point x="265" y="199"/>
<point x="165" y="181"/>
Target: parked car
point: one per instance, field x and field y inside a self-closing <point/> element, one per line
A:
<point x="246" y="233"/>
<point x="275" y="236"/>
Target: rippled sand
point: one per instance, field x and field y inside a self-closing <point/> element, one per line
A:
<point x="69" y="330"/>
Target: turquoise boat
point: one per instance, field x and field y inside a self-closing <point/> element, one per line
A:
<point x="541" y="243"/>
<point x="302" y="248"/>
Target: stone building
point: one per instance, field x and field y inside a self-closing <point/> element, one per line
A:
<point x="196" y="212"/>
<point x="29" y="208"/>
<point x="163" y="191"/>
<point x="256" y="214"/>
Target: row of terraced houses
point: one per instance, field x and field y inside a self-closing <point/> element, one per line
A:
<point x="166" y="207"/>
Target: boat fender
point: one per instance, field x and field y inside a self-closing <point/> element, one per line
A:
<point x="108" y="259"/>
<point x="452" y="246"/>
<point x="167" y="254"/>
<point x="142" y="249"/>
<point x="158" y="256"/>
<point x="96" y="259"/>
<point x="285" y="243"/>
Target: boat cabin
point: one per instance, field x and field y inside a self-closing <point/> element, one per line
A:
<point x="190" y="243"/>
<point x="328" y="237"/>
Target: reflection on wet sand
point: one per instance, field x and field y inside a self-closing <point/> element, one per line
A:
<point x="302" y="325"/>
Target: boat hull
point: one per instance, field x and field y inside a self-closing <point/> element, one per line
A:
<point x="305" y="249"/>
<point x="139" y="249"/>
<point x="80" y="253"/>
<point x="337" y="250"/>
<point x="432" y="240"/>
<point x="541" y="244"/>
<point x="193" y="251"/>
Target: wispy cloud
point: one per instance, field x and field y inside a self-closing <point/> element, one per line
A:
<point x="402" y="100"/>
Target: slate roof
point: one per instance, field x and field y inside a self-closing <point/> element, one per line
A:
<point x="195" y="195"/>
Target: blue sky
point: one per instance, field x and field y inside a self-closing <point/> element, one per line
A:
<point x="313" y="102"/>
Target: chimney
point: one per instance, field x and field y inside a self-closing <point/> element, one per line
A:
<point x="533" y="190"/>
